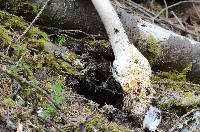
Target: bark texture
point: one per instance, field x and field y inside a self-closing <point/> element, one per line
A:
<point x="65" y="14"/>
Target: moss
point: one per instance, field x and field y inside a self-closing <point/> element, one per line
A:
<point x="33" y="63"/>
<point x="37" y="44"/>
<point x="147" y="47"/>
<point x="176" y="87"/>
<point x="41" y="128"/>
<point x="184" y="104"/>
<point x="60" y="66"/>
<point x="71" y="56"/>
<point x="35" y="37"/>
<point x="35" y="33"/>
<point x="116" y="128"/>
<point x="29" y="71"/>
<point x="192" y="98"/>
<point x="70" y="70"/>
<point x="176" y="81"/>
<point x="102" y="125"/>
<point x="20" y="8"/>
<point x="180" y="106"/>
<point x="89" y="42"/>
<point x="171" y="77"/>
<point x="171" y="103"/>
<point x="153" y="49"/>
<point x="3" y="17"/>
<point x="174" y="106"/>
<point x="25" y="8"/>
<point x="16" y="23"/>
<point x="154" y="46"/>
<point x="106" y="45"/>
<point x="5" y="57"/>
<point x="190" y="95"/>
<point x="94" y="124"/>
<point x="19" y="48"/>
<point x="185" y="71"/>
<point x="5" y="37"/>
<point x="103" y="48"/>
<point x="9" y="102"/>
<point x="157" y="8"/>
<point x="10" y="21"/>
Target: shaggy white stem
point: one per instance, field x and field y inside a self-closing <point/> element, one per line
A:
<point x="113" y="26"/>
<point x="130" y="68"/>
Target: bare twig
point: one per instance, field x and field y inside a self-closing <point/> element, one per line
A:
<point x="7" y="49"/>
<point x="150" y="16"/>
<point x="152" y="2"/>
<point x="195" y="9"/>
<point x="166" y="8"/>
<point x="176" y="4"/>
<point x="175" y="16"/>
<point x="35" y="19"/>
<point x="71" y="32"/>
<point x="139" y="8"/>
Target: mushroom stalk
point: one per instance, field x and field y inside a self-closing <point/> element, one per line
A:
<point x="130" y="68"/>
<point x="113" y="26"/>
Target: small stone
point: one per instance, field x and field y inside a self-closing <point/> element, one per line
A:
<point x="152" y="119"/>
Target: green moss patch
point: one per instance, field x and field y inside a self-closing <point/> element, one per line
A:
<point x="71" y="56"/>
<point x="181" y="106"/>
<point x="16" y="23"/>
<point x="174" y="80"/>
<point x="147" y="47"/>
<point x="20" y="8"/>
<point x="5" y="37"/>
<point x="101" y="125"/>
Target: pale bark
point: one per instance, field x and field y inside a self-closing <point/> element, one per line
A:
<point x="174" y="52"/>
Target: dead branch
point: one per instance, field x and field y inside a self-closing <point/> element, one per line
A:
<point x="195" y="9"/>
<point x="176" y="4"/>
<point x="166" y="8"/>
<point x="175" y="16"/>
<point x="150" y="15"/>
<point x="34" y="20"/>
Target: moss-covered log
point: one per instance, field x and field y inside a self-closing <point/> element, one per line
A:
<point x="173" y="53"/>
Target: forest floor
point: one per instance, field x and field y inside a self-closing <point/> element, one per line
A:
<point x="57" y="82"/>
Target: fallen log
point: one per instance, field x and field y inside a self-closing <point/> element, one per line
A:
<point x="164" y="49"/>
